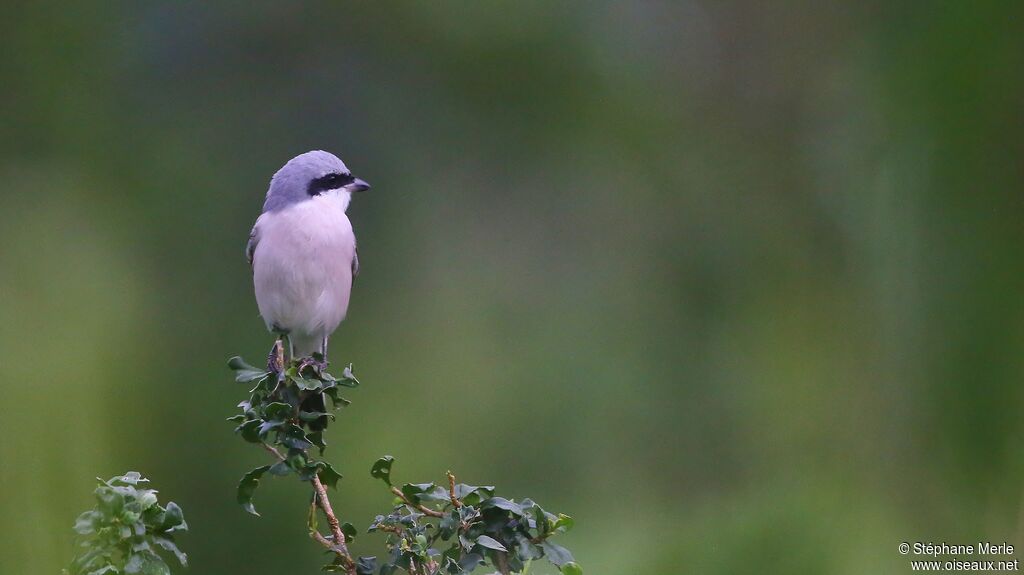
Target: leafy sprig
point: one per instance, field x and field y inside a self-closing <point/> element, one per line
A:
<point x="287" y="414"/>
<point x="286" y="411"/>
<point x="127" y="531"/>
<point x="473" y="525"/>
<point x="432" y="529"/>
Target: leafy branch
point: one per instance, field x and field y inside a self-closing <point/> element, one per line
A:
<point x="122" y="534"/>
<point x="286" y="414"/>
<point x="478" y="527"/>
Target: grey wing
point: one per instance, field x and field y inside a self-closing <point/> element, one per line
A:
<point x="355" y="265"/>
<point x="250" y="246"/>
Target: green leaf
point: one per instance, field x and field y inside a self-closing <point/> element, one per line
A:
<point x="306" y="384"/>
<point x="502" y="503"/>
<point x="349" y="531"/>
<point x="130" y="478"/>
<point x="85" y="522"/>
<point x="382" y="469"/>
<point x="564" y="523"/>
<point x="110" y="500"/>
<point x="295" y="438"/>
<point x="317" y="439"/>
<point x="140" y="530"/>
<point x="169" y="545"/>
<point x="527" y="550"/>
<point x="470" y="561"/>
<point x="366" y="565"/>
<point x="298" y="461"/>
<point x="421" y="544"/>
<point x="266" y="426"/>
<point x="571" y="568"/>
<point x="247" y="488"/>
<point x="146" y="498"/>
<point x="434" y="493"/>
<point x="280" y="469"/>
<point x="348" y="379"/>
<point x="250" y="431"/>
<point x="328" y="475"/>
<point x="490" y="543"/>
<point x="556" y="554"/>
<point x="336" y="400"/>
<point x="277" y="410"/>
<point x="543" y="524"/>
<point x="414" y="491"/>
<point x="267" y="383"/>
<point x="244" y="373"/>
<point x="310" y="416"/>
<point x="146" y="564"/>
<point x="174" y="519"/>
<point x="473" y="494"/>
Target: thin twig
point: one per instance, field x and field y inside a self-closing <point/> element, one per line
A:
<point x="451" y="490"/>
<point x="426" y="510"/>
<point x="339" y="538"/>
<point x="322" y="540"/>
<point x="390" y="529"/>
<point x="338" y="546"/>
<point x="273" y="451"/>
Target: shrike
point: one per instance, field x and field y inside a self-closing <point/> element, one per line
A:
<point x="303" y="251"/>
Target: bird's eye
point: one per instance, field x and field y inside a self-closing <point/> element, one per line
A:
<point x="329" y="182"/>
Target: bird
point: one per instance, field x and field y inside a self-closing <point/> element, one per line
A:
<point x="302" y="251"/>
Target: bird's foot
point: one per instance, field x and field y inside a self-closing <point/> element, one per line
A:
<point x="317" y="362"/>
<point x="275" y="359"/>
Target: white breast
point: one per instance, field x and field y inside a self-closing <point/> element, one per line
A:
<point x="302" y="268"/>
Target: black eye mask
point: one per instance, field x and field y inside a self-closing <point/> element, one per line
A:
<point x="328" y="182"/>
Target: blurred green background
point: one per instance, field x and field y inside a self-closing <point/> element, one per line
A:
<point x="738" y="287"/>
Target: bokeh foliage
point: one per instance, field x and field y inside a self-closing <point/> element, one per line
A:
<point x="128" y="532"/>
<point x="740" y="279"/>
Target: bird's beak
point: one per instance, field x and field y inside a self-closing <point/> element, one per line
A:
<point x="357" y="185"/>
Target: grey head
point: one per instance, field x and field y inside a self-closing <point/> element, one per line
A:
<point x="308" y="175"/>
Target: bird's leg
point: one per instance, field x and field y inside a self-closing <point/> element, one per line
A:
<point x="323" y="354"/>
<point x="275" y="360"/>
<point x="291" y="347"/>
<point x="280" y="355"/>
